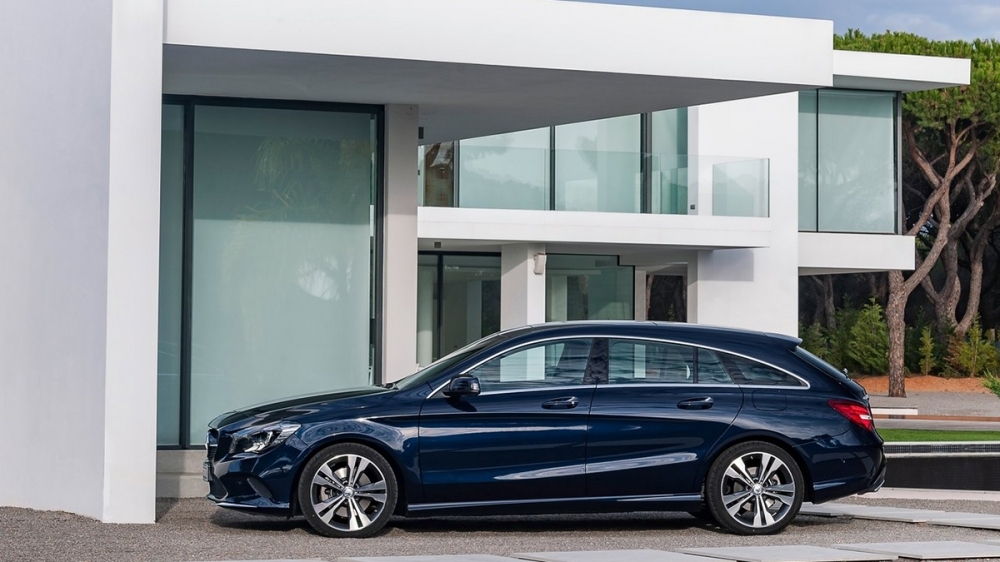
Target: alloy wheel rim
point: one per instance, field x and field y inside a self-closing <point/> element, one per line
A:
<point x="348" y="492"/>
<point x="758" y="490"/>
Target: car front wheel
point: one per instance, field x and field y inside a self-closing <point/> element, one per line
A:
<point x="754" y="488"/>
<point x="347" y="490"/>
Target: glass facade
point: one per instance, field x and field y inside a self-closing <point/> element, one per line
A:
<point x="630" y="164"/>
<point x="458" y="302"/>
<point x="280" y="258"/>
<point x="598" y="166"/>
<point x="509" y="171"/>
<point x="848" y="161"/>
<point x="588" y="288"/>
<point x="168" y="360"/>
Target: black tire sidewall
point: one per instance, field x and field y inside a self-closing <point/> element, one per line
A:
<point x="713" y="487"/>
<point x="304" y="489"/>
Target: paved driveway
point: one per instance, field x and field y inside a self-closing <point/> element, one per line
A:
<point x="195" y="530"/>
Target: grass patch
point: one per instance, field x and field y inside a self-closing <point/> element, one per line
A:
<point x="937" y="435"/>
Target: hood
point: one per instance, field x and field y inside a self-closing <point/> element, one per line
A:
<point x="347" y="399"/>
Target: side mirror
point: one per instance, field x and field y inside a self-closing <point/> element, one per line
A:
<point x="463" y="385"/>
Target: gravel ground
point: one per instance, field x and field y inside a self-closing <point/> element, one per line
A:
<point x="191" y="530"/>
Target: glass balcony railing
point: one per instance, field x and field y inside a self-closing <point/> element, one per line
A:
<point x="502" y="177"/>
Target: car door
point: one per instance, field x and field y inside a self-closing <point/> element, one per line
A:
<point x="522" y="437"/>
<point x="663" y="407"/>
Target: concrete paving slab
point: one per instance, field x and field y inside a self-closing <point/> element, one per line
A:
<point x="957" y="515"/>
<point x="929" y="550"/>
<point x="835" y="509"/>
<point x="992" y="523"/>
<point x="614" y="556"/>
<point x="442" y="558"/>
<point x="787" y="553"/>
<point x="900" y="515"/>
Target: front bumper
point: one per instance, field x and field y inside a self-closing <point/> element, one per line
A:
<point x="261" y="483"/>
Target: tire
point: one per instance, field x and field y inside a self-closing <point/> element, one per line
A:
<point x="347" y="491"/>
<point x="754" y="488"/>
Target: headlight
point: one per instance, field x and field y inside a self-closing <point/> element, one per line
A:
<point x="256" y="440"/>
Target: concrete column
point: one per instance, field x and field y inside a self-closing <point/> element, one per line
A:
<point x="522" y="291"/>
<point x="639" y="294"/>
<point x="133" y="262"/>
<point x="399" y="259"/>
<point x="79" y="171"/>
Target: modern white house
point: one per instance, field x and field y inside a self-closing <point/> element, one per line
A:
<point x="213" y="203"/>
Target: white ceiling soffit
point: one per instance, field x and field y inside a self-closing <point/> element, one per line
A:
<point x="480" y="67"/>
<point x="902" y="73"/>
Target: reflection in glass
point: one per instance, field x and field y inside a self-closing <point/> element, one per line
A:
<point x="509" y="171"/>
<point x="669" y="161"/>
<point x="168" y="361"/>
<point x="281" y="255"/>
<point x="847" y="161"/>
<point x="857" y="155"/>
<point x="598" y="166"/>
<point x="807" y="160"/>
<point x="588" y="288"/>
<point x="437" y="175"/>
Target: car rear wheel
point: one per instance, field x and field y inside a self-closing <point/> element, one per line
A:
<point x="754" y="488"/>
<point x="347" y="490"/>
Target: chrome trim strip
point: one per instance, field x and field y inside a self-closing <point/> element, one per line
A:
<point x="650" y="498"/>
<point x="236" y="505"/>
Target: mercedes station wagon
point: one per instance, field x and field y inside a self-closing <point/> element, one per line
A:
<point x="735" y="427"/>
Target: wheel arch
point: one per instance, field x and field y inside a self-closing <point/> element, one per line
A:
<point x="374" y="444"/>
<point x="772" y="438"/>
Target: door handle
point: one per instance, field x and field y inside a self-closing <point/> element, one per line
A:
<point x="561" y="403"/>
<point x="703" y="403"/>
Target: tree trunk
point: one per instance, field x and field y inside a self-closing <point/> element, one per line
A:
<point x="895" y="311"/>
<point x="649" y="294"/>
<point x="829" y="310"/>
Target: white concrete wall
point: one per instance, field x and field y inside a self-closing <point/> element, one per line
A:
<point x="751" y="288"/>
<point x="399" y="260"/>
<point x="822" y="253"/>
<point x="79" y="228"/>
<point x="522" y="291"/>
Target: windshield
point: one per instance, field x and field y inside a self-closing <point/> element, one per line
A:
<point x="431" y="371"/>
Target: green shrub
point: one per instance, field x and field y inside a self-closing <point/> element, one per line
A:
<point x="973" y="355"/>
<point x="992" y="382"/>
<point x="868" y="347"/>
<point x="815" y="341"/>
<point x="839" y="338"/>
<point x="928" y="357"/>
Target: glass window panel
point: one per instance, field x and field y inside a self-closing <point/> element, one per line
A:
<point x="807" y="160"/>
<point x="857" y="154"/>
<point x="509" y="171"/>
<point x="168" y="362"/>
<point x="752" y="372"/>
<point x="559" y="363"/>
<point x="437" y="175"/>
<point x="282" y="255"/>
<point x="740" y="188"/>
<point x="470" y="293"/>
<point x="427" y="309"/>
<point x="649" y="362"/>
<point x="711" y="370"/>
<point x="588" y="288"/>
<point x="598" y="165"/>
<point x="669" y="161"/>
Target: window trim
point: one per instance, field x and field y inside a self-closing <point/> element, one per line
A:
<point x="805" y="384"/>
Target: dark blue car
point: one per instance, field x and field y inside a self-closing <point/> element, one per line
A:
<point x="739" y="427"/>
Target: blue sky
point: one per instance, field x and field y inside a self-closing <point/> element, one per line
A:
<point x="938" y="19"/>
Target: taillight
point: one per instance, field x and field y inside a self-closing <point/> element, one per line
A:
<point x="855" y="411"/>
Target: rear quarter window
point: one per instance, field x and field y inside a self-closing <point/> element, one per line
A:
<point x="750" y="372"/>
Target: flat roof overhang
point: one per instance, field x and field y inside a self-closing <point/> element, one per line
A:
<point x="900" y="73"/>
<point x="488" y="66"/>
